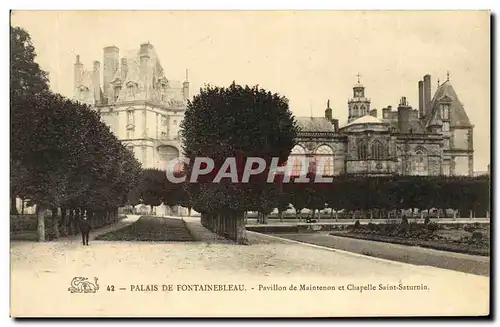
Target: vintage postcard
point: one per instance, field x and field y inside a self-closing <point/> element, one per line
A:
<point x="250" y="163"/>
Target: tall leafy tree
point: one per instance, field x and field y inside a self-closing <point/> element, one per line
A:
<point x="241" y="122"/>
<point x="26" y="79"/>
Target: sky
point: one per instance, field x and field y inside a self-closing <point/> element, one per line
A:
<point x="308" y="56"/>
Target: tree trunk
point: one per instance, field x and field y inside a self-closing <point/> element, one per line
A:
<point x="421" y="214"/>
<point x="241" y="232"/>
<point x="297" y="215"/>
<point x="280" y="215"/>
<point x="245" y="216"/>
<point x="55" y="223"/>
<point x="470" y="214"/>
<point x="319" y="215"/>
<point x="64" y="231"/>
<point x="265" y="218"/>
<point x="22" y="206"/>
<point x="313" y="214"/>
<point x="331" y="213"/>
<point x="13" y="207"/>
<point x="189" y="212"/>
<point x="41" y="222"/>
<point x="454" y="214"/>
<point x="371" y="214"/>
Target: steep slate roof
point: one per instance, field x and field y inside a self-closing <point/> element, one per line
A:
<point x="314" y="124"/>
<point x="154" y="73"/>
<point x="458" y="116"/>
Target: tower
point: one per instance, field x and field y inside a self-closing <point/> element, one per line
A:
<point x="78" y="71"/>
<point x="358" y="105"/>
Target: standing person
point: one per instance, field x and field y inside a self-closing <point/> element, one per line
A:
<point x="85" y="228"/>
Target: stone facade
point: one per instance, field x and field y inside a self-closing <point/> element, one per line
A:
<point x="435" y="139"/>
<point x="141" y="106"/>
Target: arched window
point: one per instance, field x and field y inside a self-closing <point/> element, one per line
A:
<point x="296" y="160"/>
<point x="355" y="111"/>
<point x="363" y="111"/>
<point x="420" y="162"/>
<point x="324" y="160"/>
<point x="378" y="151"/>
<point x="362" y="151"/>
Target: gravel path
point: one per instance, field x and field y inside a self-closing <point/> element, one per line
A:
<point x="41" y="274"/>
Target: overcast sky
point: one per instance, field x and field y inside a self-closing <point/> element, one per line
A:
<point x="309" y="57"/>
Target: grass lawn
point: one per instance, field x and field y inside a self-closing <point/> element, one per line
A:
<point x="152" y="229"/>
<point x="447" y="239"/>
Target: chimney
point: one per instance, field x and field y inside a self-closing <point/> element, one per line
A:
<point x="78" y="70"/>
<point x="386" y="113"/>
<point x="427" y="94"/>
<point x="335" y="125"/>
<point x="96" y="80"/>
<point x="328" y="111"/>
<point x="124" y="69"/>
<point x="404" y="116"/>
<point x="110" y="62"/>
<point x="421" y="111"/>
<point x="373" y="113"/>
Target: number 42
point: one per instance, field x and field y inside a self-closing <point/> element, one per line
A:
<point x="111" y="288"/>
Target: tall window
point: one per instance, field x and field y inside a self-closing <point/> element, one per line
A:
<point x="117" y="92"/>
<point x="296" y="160"/>
<point x="445" y="111"/>
<point x="130" y="117"/>
<point x="362" y="151"/>
<point x="378" y="151"/>
<point x="324" y="160"/>
<point x="420" y="163"/>
<point x="131" y="90"/>
<point x="355" y="111"/>
<point x="363" y="111"/>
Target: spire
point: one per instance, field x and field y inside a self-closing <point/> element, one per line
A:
<point x="328" y="104"/>
<point x="358" y="75"/>
<point x="438" y="82"/>
<point x="448" y="76"/>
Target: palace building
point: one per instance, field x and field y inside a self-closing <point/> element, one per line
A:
<point x="141" y="105"/>
<point x="144" y="108"/>
<point x="435" y="139"/>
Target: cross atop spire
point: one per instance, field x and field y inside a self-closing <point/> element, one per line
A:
<point x="448" y="76"/>
<point x="358" y="75"/>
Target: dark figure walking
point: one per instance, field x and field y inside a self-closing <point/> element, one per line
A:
<point x="85" y="229"/>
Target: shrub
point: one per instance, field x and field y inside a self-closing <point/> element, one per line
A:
<point x="469" y="228"/>
<point x="427" y="220"/>
<point x="432" y="227"/>
<point x="357" y="225"/>
<point x="477" y="237"/>
<point x="404" y="221"/>
<point x="372" y="227"/>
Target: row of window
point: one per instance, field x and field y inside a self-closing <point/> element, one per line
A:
<point x="378" y="151"/>
<point x="355" y="111"/>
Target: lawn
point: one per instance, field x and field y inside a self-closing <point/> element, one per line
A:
<point x="469" y="239"/>
<point x="152" y="229"/>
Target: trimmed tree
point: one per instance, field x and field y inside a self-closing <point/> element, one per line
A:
<point x="238" y="122"/>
